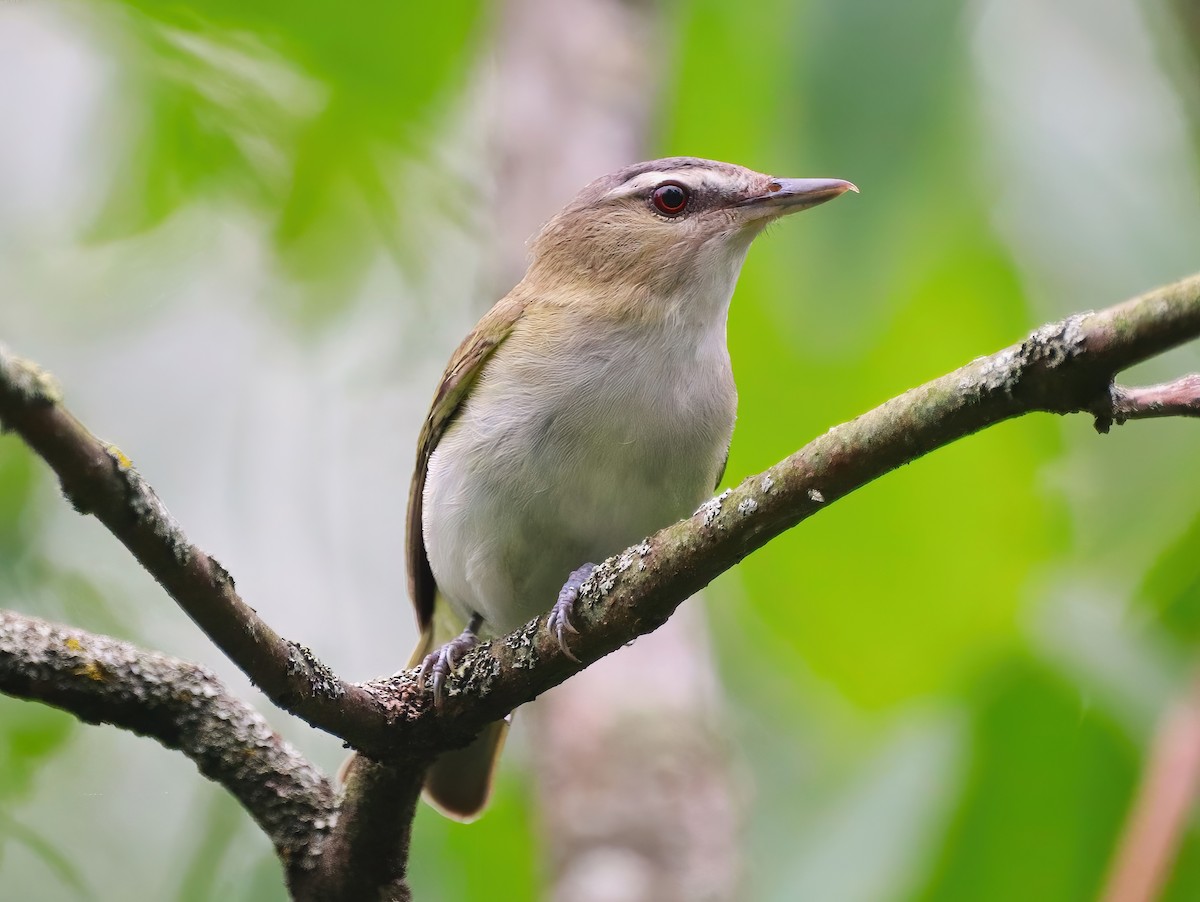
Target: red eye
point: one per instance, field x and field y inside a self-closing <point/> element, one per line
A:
<point x="670" y="199"/>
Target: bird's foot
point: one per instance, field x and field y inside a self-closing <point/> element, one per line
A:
<point x="559" y="621"/>
<point x="441" y="661"/>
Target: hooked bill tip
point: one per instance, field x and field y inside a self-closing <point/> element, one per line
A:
<point x="788" y="195"/>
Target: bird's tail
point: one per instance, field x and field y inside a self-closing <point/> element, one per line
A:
<point x="459" y="782"/>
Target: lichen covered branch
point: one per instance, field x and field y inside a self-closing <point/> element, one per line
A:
<point x="366" y="854"/>
<point x="97" y="478"/>
<point x="1065" y="367"/>
<point x="184" y="707"/>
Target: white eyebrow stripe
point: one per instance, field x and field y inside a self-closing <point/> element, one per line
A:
<point x="647" y="180"/>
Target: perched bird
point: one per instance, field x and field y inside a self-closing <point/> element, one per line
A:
<point x="592" y="406"/>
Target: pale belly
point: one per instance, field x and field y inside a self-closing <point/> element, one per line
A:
<point x="520" y="494"/>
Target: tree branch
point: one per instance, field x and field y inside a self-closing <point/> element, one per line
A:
<point x="1178" y="398"/>
<point x="366" y="854"/>
<point x="1064" y="367"/>
<point x="97" y="478"/>
<point x="184" y="707"/>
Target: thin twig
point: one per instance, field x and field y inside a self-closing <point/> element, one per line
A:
<point x="1177" y="398"/>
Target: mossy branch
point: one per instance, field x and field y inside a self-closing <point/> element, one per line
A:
<point x="1065" y="367"/>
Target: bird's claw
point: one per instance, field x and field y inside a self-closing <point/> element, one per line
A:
<point x="441" y="663"/>
<point x="559" y="621"/>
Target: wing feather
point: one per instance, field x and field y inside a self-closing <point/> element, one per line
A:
<point x="467" y="362"/>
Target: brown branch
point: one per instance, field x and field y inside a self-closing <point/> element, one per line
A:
<point x="97" y="478"/>
<point x="184" y="707"/>
<point x="366" y="855"/>
<point x="1177" y="398"/>
<point x="1064" y="367"/>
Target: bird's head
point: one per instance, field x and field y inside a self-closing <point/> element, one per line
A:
<point x="658" y="227"/>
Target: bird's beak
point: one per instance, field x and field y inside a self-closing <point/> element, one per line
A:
<point x="791" y="195"/>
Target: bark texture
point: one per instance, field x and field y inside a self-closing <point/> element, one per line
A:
<point x="1064" y="367"/>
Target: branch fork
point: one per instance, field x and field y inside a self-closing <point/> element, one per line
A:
<point x="355" y="845"/>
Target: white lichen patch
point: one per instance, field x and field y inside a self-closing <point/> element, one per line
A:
<point x="815" y="495"/>
<point x="607" y="581"/>
<point x="590" y="587"/>
<point x="995" y="373"/>
<point x="1056" y="341"/>
<point x="747" y="506"/>
<point x="148" y="508"/>
<point x="711" y="509"/>
<point x="31" y="383"/>
<point x="524" y="646"/>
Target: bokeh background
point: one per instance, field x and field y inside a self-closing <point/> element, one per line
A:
<point x="246" y="235"/>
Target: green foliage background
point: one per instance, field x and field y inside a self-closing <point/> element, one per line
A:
<point x="246" y="235"/>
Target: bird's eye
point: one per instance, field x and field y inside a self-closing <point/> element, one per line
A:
<point x="670" y="198"/>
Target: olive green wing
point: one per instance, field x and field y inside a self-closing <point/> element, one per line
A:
<point x="464" y="368"/>
<point x="721" y="472"/>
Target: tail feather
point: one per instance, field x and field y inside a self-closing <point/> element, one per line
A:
<point x="459" y="783"/>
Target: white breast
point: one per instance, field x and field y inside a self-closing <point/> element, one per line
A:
<point x="568" y="451"/>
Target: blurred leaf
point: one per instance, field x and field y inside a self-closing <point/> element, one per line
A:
<point x="893" y="592"/>
<point x="1172" y="587"/>
<point x="54" y="860"/>
<point x="918" y="192"/>
<point x="16" y="491"/>
<point x="76" y="598"/>
<point x="1179" y="29"/>
<point x="297" y="110"/>
<point x="494" y="857"/>
<point x="186" y="153"/>
<point x="210" y="835"/>
<point x="1046" y="793"/>
<point x="265" y="883"/>
<point x="892" y="804"/>
<point x="30" y="733"/>
<point x="1183" y="883"/>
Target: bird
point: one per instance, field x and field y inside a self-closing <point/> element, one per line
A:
<point x="590" y="407"/>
